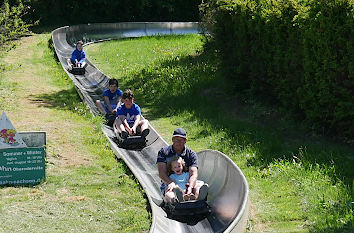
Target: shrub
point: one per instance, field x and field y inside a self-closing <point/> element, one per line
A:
<point x="11" y="24"/>
<point x="297" y="53"/>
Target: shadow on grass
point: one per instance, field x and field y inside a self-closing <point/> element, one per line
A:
<point x="63" y="100"/>
<point x="346" y="228"/>
<point x="189" y="85"/>
<point x="188" y="88"/>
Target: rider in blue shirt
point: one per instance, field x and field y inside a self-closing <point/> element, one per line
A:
<point x="129" y="120"/>
<point x="78" y="56"/>
<point x="112" y="98"/>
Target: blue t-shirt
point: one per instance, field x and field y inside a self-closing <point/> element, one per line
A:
<point x="129" y="114"/>
<point x="113" y="97"/>
<point x="78" y="55"/>
<point x="181" y="180"/>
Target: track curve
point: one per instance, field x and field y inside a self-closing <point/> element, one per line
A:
<point x="228" y="193"/>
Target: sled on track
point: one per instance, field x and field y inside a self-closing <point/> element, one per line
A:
<point x="76" y="70"/>
<point x="190" y="212"/>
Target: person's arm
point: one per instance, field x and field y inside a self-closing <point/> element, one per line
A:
<point x="136" y="123"/>
<point x="162" y="169"/>
<point x="106" y="100"/>
<point x="193" y="176"/>
<point x="83" y="57"/>
<point x="137" y="113"/>
<point x="73" y="57"/>
<point x="124" y="121"/>
<point x="118" y="103"/>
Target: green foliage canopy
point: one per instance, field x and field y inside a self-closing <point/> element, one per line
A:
<point x="53" y="12"/>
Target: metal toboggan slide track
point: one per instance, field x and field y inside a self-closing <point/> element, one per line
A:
<point x="228" y="192"/>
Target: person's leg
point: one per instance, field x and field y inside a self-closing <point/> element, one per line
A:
<point x="201" y="190"/>
<point x="144" y="124"/>
<point x="178" y="193"/>
<point x="197" y="189"/>
<point x="70" y="63"/>
<point x="83" y="64"/>
<point x="118" y="128"/>
<point x="100" y="107"/>
<point x="144" y="127"/>
<point x="170" y="196"/>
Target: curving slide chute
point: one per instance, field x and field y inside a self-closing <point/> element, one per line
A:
<point x="228" y="192"/>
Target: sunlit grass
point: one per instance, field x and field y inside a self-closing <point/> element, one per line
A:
<point x="98" y="194"/>
<point x="299" y="183"/>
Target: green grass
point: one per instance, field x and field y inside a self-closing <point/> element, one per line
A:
<point x="299" y="182"/>
<point x="98" y="194"/>
<point x="6" y="88"/>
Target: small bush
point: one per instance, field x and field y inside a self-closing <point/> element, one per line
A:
<point x="12" y="26"/>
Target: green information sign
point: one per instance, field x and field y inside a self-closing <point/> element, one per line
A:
<point x="22" y="166"/>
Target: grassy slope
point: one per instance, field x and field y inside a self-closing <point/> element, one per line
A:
<point x="86" y="189"/>
<point x="298" y="182"/>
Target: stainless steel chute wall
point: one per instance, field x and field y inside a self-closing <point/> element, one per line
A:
<point x="228" y="194"/>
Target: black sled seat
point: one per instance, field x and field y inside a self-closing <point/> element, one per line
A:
<point x="131" y="142"/>
<point x="135" y="142"/>
<point x="110" y="118"/>
<point x="189" y="212"/>
<point x="76" y="70"/>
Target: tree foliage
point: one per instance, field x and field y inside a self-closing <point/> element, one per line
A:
<point x="299" y="53"/>
<point x="11" y="24"/>
<point x="104" y="11"/>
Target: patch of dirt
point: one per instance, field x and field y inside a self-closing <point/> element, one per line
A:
<point x="32" y="114"/>
<point x="77" y="198"/>
<point x="6" y="190"/>
<point x="62" y="191"/>
<point x="254" y="224"/>
<point x="35" y="192"/>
